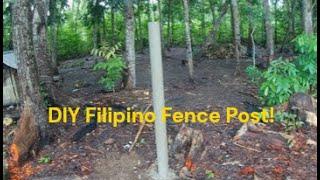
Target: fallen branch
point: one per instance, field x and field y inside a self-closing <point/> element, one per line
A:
<point x="248" y="148"/>
<point x="140" y="129"/>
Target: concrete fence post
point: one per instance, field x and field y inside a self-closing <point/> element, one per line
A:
<point x="158" y="98"/>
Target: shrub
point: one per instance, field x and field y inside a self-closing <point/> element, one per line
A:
<point x="254" y="74"/>
<point x="280" y="80"/>
<point x="113" y="65"/>
<point x="283" y="78"/>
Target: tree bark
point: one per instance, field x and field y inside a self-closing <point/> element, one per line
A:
<point x="161" y="30"/>
<point x="275" y="21"/>
<point x="188" y="38"/>
<point x="53" y="48"/>
<point x="236" y="30"/>
<point x="307" y="16"/>
<point x="203" y="19"/>
<point x="33" y="127"/>
<point x="130" y="49"/>
<point x="169" y="28"/>
<point x="211" y="38"/>
<point x="269" y="29"/>
<point x="95" y="33"/>
<point x="42" y="56"/>
<point x="250" y="28"/>
<point x="140" y="26"/>
<point x="113" y="36"/>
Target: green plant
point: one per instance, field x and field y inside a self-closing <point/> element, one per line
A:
<point x="254" y="74"/>
<point x="45" y="159"/>
<point x="306" y="62"/>
<point x="113" y="65"/>
<point x="283" y="78"/>
<point x="290" y="120"/>
<point x="209" y="174"/>
<point x="279" y="82"/>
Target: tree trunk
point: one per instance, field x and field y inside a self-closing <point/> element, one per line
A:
<point x="130" y="49"/>
<point x="169" y="28"/>
<point x="269" y="29"/>
<point x="44" y="63"/>
<point x="53" y="48"/>
<point x="160" y="23"/>
<point x="275" y="21"/>
<point x="32" y="124"/>
<point x="140" y="26"/>
<point x="211" y="38"/>
<point x="188" y="38"/>
<point x="203" y="19"/>
<point x="250" y="28"/>
<point x="307" y="16"/>
<point x="113" y="35"/>
<point x="95" y="32"/>
<point x="236" y="30"/>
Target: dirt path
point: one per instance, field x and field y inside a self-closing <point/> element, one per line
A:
<point x="103" y="154"/>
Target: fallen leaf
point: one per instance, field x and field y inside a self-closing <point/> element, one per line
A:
<point x="277" y="170"/>
<point x="248" y="170"/>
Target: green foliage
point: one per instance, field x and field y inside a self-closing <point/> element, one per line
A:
<point x="254" y="74"/>
<point x="306" y="62"/>
<point x="72" y="44"/>
<point x="45" y="159"/>
<point x="209" y="174"/>
<point x="290" y="120"/>
<point x="283" y="78"/>
<point x="279" y="82"/>
<point x="113" y="65"/>
<point x="106" y="50"/>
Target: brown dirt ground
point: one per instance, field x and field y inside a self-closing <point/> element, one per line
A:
<point x="215" y="88"/>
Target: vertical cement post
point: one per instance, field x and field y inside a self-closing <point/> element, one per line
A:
<point x="158" y="98"/>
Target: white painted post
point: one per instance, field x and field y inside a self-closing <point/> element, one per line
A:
<point x="158" y="98"/>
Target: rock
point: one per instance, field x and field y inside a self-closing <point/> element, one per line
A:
<point x="190" y="142"/>
<point x="301" y="102"/>
<point x="185" y="174"/>
<point x="56" y="78"/>
<point x="311" y="142"/>
<point x="302" y="105"/>
<point x="311" y="118"/>
<point x="5" y="173"/>
<point x="7" y="121"/>
<point x="109" y="141"/>
<point x="10" y="107"/>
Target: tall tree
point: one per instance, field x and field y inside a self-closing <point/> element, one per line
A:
<point x="250" y="27"/>
<point x="269" y="29"/>
<point x="170" y="25"/>
<point x="216" y="21"/>
<point x="130" y="49"/>
<point x="95" y="17"/>
<point x="42" y="56"/>
<point x="113" y="36"/>
<point x="307" y="16"/>
<point x="188" y="38"/>
<point x="275" y="21"/>
<point x="236" y="30"/>
<point x="54" y="19"/>
<point x="32" y="124"/>
<point x="203" y="18"/>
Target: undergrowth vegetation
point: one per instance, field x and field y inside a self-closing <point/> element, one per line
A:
<point x="113" y="65"/>
<point x="284" y="78"/>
